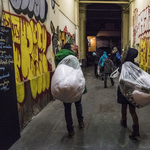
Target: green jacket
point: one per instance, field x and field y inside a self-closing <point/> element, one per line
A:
<point x="61" y="55"/>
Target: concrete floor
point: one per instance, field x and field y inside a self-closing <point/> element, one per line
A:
<point x="102" y="131"/>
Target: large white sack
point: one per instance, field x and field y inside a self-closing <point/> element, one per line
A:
<point x="68" y="84"/>
<point x="134" y="84"/>
<point x="71" y="61"/>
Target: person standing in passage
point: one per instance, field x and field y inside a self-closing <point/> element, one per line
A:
<point x="108" y="69"/>
<point x="69" y="49"/>
<point x="101" y="63"/>
<point x="96" y="58"/>
<point x="115" y="57"/>
<point x="128" y="55"/>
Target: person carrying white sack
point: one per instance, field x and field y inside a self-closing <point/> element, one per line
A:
<point x="67" y="50"/>
<point x="128" y="55"/>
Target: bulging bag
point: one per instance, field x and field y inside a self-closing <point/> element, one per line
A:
<point x="98" y="69"/>
<point x="134" y="84"/>
<point x="68" y="82"/>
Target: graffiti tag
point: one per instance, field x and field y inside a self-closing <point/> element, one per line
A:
<point x="141" y="22"/>
<point x="30" y="43"/>
<point x="38" y="8"/>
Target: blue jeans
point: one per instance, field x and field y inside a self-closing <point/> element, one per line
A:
<point x="68" y="115"/>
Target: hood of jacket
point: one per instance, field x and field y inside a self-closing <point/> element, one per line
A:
<point x="132" y="53"/>
<point x="104" y="56"/>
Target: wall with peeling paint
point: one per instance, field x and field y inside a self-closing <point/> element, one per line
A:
<point x="140" y="31"/>
<point x="39" y="30"/>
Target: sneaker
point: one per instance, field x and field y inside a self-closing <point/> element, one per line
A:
<point x="81" y="125"/>
<point x="71" y="134"/>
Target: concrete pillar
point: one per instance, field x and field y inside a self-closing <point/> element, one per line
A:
<point x="82" y="31"/>
<point x="125" y="29"/>
<point x="77" y="22"/>
<point x="1" y="8"/>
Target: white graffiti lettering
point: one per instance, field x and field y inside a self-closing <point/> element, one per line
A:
<point x="5" y="76"/>
<point x="144" y="22"/>
<point x="16" y="3"/>
<point x="38" y="8"/>
<point x="24" y="4"/>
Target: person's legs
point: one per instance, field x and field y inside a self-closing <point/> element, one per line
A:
<point x="105" y="80"/>
<point x="95" y="70"/>
<point x="68" y="117"/>
<point x="133" y="114"/>
<point x="135" y="134"/>
<point x="102" y="72"/>
<point x="79" y="113"/>
<point x="124" y="115"/>
<point x="111" y="79"/>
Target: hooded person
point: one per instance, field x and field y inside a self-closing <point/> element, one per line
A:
<point x="129" y="54"/>
<point x="101" y="63"/>
<point x="96" y="58"/>
<point x="115" y="57"/>
<point x="108" y="69"/>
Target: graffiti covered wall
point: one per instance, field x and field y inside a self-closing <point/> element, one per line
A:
<point x="140" y="32"/>
<point x="39" y="30"/>
<point x="141" y="35"/>
<point x="31" y="42"/>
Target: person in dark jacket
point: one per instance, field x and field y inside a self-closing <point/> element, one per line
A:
<point x="69" y="49"/>
<point x="96" y="59"/>
<point x="128" y="55"/>
<point x="115" y="57"/>
<point x="108" y="69"/>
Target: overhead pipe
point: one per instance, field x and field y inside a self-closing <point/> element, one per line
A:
<point x="104" y="2"/>
<point x="128" y="5"/>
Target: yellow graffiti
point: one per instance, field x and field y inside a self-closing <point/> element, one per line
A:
<point x="39" y="84"/>
<point x="29" y="45"/>
<point x="20" y="92"/>
<point x="144" y="53"/>
<point x="62" y="39"/>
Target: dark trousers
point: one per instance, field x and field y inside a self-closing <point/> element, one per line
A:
<point x="105" y="79"/>
<point x="68" y="114"/>
<point x="102" y="72"/>
<point x="95" y="70"/>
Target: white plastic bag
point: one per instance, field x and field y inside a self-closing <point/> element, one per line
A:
<point x="115" y="73"/>
<point x="98" y="70"/>
<point x="68" y="82"/>
<point x="134" y="84"/>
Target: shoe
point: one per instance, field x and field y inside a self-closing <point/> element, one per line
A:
<point x="102" y="78"/>
<point x="71" y="134"/>
<point x="81" y="125"/>
<point x="105" y="86"/>
<point x="135" y="134"/>
<point x="123" y="123"/>
<point x="113" y="83"/>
